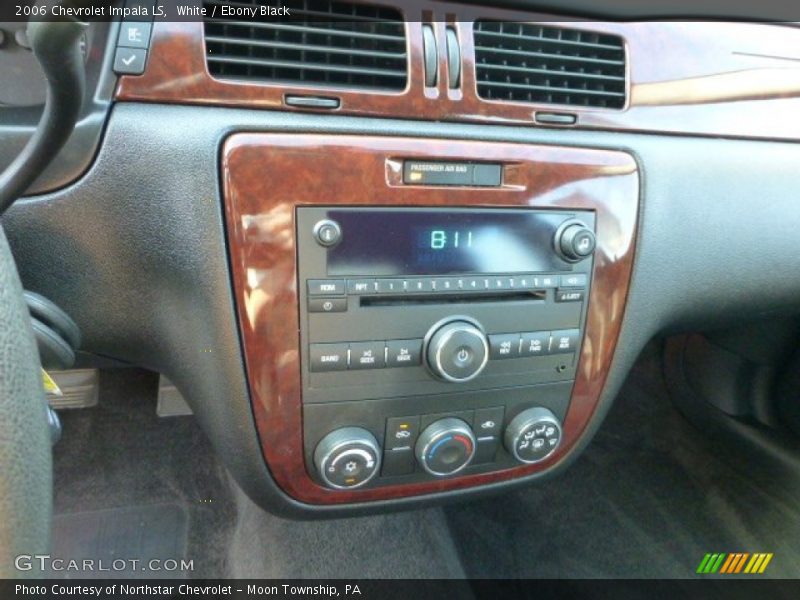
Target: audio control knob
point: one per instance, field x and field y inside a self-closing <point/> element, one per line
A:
<point x="574" y="241"/>
<point x="347" y="458"/>
<point x="445" y="447"/>
<point x="457" y="351"/>
<point x="533" y="435"/>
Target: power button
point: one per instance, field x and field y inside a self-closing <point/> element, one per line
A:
<point x="327" y="233"/>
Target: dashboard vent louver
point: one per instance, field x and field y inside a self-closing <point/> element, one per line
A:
<point x="523" y="62"/>
<point x="321" y="43"/>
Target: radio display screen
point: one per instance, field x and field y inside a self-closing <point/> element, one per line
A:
<point x="385" y="241"/>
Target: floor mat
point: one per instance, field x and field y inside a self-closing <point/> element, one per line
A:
<point x="120" y="456"/>
<point x="155" y="536"/>
<point x="649" y="498"/>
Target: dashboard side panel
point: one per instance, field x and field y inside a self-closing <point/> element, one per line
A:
<point x="267" y="176"/>
<point x="700" y="78"/>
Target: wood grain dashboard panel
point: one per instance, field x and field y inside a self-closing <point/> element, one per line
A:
<point x="699" y="78"/>
<point x="266" y="176"/>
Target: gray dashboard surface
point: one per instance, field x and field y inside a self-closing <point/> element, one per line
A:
<point x="136" y="252"/>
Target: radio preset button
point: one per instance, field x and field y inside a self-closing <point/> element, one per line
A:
<point x="569" y="295"/>
<point x="545" y="281"/>
<point x="361" y="286"/>
<point x="403" y="353"/>
<point x="524" y="282"/>
<point x="535" y="343"/>
<point x="420" y="285"/>
<point x="328" y="357"/>
<point x="500" y="283"/>
<point x="367" y="355"/>
<point x="447" y="285"/>
<point x="326" y="305"/>
<point x="391" y="286"/>
<point x="564" y="341"/>
<point x="474" y="284"/>
<point x="504" y="345"/>
<point x="326" y="287"/>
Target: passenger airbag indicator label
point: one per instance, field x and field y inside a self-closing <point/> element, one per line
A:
<point x="418" y="172"/>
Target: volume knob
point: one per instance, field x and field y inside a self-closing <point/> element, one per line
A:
<point x="457" y="351"/>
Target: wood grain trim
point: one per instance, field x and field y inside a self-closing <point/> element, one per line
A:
<point x="718" y="79"/>
<point x="267" y="175"/>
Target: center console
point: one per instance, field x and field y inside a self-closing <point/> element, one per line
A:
<point x="437" y="341"/>
<point x="429" y="315"/>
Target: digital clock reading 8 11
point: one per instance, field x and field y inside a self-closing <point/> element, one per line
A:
<point x="443" y="239"/>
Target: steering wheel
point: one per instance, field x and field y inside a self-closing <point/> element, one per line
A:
<point x="26" y="478"/>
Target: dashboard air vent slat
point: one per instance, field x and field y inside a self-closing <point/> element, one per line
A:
<point x="525" y="62"/>
<point x="321" y="43"/>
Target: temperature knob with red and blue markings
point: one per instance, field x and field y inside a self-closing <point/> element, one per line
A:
<point x="446" y="447"/>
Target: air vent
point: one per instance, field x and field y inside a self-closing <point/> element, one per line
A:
<point x="321" y="44"/>
<point x="522" y="62"/>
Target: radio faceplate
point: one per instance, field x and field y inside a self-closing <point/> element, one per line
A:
<point x="268" y="176"/>
<point x="430" y="313"/>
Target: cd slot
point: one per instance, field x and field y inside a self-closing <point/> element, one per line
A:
<point x="455" y="298"/>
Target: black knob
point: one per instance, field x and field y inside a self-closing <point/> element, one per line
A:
<point x="347" y="458"/>
<point x="457" y="351"/>
<point x="327" y="233"/>
<point x="446" y="447"/>
<point x="533" y="435"/>
<point x="574" y="241"/>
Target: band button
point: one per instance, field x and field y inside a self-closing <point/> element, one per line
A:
<point x="328" y="357"/>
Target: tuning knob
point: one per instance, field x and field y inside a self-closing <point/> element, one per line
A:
<point x="445" y="447"/>
<point x="533" y="435"/>
<point x="347" y="458"/>
<point x="457" y="351"/>
<point x="574" y="241"/>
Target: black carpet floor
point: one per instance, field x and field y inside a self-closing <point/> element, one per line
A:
<point x="120" y="457"/>
<point x="648" y="498"/>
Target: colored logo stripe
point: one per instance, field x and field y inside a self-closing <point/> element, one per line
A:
<point x="734" y="563"/>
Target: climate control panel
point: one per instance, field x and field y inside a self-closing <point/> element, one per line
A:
<point x="351" y="457"/>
